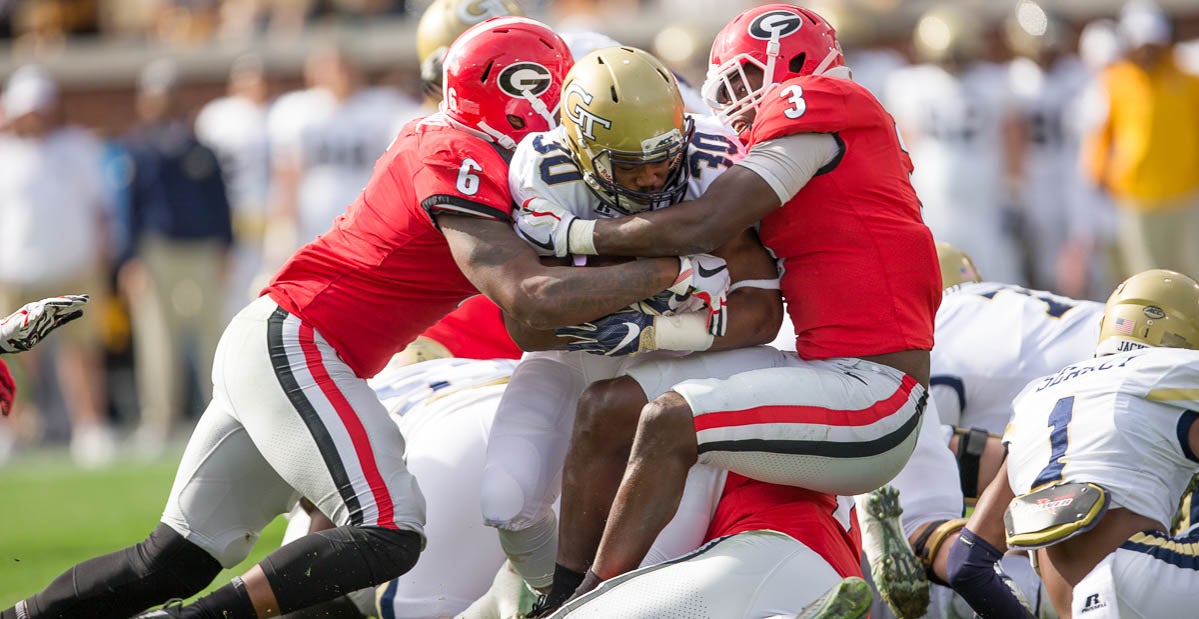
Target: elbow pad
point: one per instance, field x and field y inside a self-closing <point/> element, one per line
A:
<point x="972" y="574"/>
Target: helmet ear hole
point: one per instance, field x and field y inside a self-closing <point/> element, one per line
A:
<point x="516" y="121"/>
<point x="797" y="61"/>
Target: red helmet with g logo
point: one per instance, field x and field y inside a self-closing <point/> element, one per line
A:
<point x="504" y="77"/>
<point x="780" y="40"/>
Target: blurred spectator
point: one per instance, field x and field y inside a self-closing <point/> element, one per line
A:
<point x="955" y="113"/>
<point x="1046" y="80"/>
<point x="234" y="127"/>
<point x="178" y="235"/>
<point x="1146" y="151"/>
<point x="324" y="142"/>
<point x="52" y="203"/>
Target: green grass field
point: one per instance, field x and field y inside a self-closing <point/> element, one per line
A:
<point x="54" y="515"/>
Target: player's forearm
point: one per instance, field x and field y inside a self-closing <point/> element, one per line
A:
<point x="563" y="296"/>
<point x="530" y="339"/>
<point x="735" y="201"/>
<point x="755" y="315"/>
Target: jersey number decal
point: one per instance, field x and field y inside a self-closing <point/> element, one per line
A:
<point x="1059" y="439"/>
<point x="1053" y="307"/>
<point x="567" y="171"/>
<point x="709" y="150"/>
<point x="468" y="183"/>
<point x="794" y="95"/>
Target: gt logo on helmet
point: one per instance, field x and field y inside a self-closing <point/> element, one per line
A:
<point x="475" y="12"/>
<point x="524" y="78"/>
<point x="767" y="25"/>
<point x="585" y="120"/>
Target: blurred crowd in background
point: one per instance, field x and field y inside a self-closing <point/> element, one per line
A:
<point x="1056" y="142"/>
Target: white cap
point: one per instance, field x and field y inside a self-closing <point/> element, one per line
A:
<point x="29" y="89"/>
<point x="1143" y="23"/>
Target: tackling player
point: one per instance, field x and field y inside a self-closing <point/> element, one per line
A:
<point x="624" y="146"/>
<point x="860" y="270"/>
<point x="292" y="413"/>
<point x="1099" y="455"/>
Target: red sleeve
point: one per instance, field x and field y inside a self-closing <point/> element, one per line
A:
<point x="8" y="390"/>
<point x="475" y="331"/>
<point x="462" y="175"/>
<point x="807" y="104"/>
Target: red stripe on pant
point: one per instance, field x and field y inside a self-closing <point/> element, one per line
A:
<point x="349" y="418"/>
<point x="809" y="414"/>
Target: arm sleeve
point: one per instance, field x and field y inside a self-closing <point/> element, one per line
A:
<point x="972" y="574"/>
<point x="787" y="163"/>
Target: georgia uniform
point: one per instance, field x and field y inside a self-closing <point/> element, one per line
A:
<point x="771" y="551"/>
<point x="289" y="371"/>
<point x="824" y="418"/>
<point x="1120" y="421"/>
<point x="531" y="434"/>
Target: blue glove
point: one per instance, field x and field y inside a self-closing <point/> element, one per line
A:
<point x="614" y="335"/>
<point x="667" y="303"/>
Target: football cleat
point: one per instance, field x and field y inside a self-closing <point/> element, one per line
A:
<point x="848" y="599"/>
<point x="897" y="572"/>
<point x="173" y="608"/>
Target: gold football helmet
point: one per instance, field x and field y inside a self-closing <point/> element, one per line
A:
<point x="441" y="23"/>
<point x="621" y="107"/>
<point x="956" y="266"/>
<point x="949" y="34"/>
<point x="1152" y="308"/>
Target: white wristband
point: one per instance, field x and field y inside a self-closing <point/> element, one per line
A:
<point x="682" y="332"/>
<point x="581" y="237"/>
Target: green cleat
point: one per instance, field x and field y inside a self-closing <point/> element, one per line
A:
<point x="894" y="567"/>
<point x="849" y="599"/>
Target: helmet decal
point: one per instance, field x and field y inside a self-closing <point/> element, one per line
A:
<point x="583" y="118"/>
<point x="477" y="11"/>
<point x="775" y="23"/>
<point x="523" y="79"/>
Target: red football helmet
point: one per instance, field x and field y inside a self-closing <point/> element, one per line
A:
<point x="781" y="40"/>
<point x="504" y="77"/>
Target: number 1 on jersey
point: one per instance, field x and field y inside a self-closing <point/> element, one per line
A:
<point x="1059" y="438"/>
<point x="794" y="95"/>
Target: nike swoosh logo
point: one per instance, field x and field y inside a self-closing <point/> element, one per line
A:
<point x="634" y="332"/>
<point x="709" y="273"/>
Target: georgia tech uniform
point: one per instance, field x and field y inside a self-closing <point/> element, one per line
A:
<point x="992" y="339"/>
<point x="1121" y="422"/>
<point x="532" y="429"/>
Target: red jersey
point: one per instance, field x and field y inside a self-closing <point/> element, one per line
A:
<point x="806" y="515"/>
<point x="475" y="331"/>
<point x="383" y="273"/>
<point x="860" y="269"/>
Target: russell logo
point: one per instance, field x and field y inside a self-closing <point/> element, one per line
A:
<point x="775" y="23"/>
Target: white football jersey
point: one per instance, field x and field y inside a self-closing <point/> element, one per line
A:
<point x="335" y="144"/>
<point x="542" y="167"/>
<point x="1119" y="421"/>
<point x="994" y="338"/>
<point x="235" y="128"/>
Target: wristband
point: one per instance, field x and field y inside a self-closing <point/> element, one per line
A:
<point x="682" y="332"/>
<point x="580" y="238"/>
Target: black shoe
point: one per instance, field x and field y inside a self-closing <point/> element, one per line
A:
<point x="172" y="609"/>
<point x="543" y="607"/>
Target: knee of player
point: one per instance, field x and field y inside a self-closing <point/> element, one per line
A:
<point x="502" y="499"/>
<point x="666" y="429"/>
<point x="607" y="414"/>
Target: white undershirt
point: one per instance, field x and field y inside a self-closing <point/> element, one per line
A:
<point x="787" y="163"/>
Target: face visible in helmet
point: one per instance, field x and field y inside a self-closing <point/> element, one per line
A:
<point x="738" y="88"/>
<point x="622" y="114"/>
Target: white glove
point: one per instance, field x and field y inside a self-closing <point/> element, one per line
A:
<point x="546" y="226"/>
<point x="24" y="328"/>
<point x="706" y="277"/>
